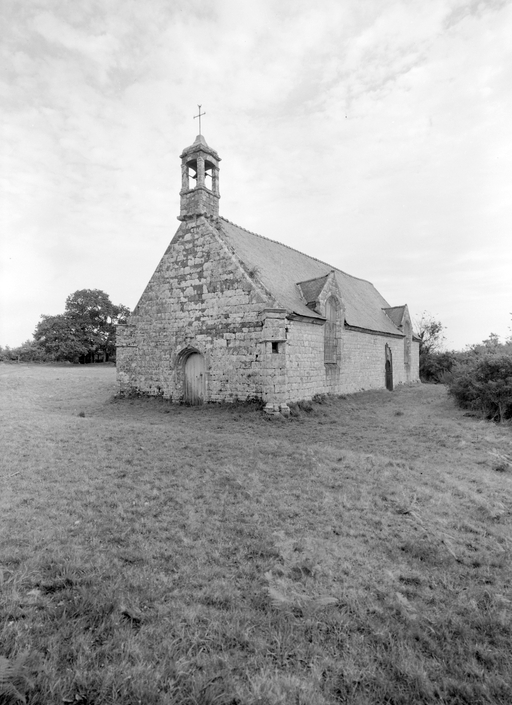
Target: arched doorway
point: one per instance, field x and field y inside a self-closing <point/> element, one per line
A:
<point x="195" y="379"/>
<point x="389" y="369"/>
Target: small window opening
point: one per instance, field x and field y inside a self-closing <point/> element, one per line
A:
<point x="275" y="347"/>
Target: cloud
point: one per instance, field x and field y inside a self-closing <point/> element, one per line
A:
<point x="371" y="135"/>
<point x="99" y="48"/>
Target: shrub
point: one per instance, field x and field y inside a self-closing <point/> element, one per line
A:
<point x="29" y="351"/>
<point x="484" y="383"/>
<point x="294" y="409"/>
<point x="434" y="366"/>
<point x="320" y="398"/>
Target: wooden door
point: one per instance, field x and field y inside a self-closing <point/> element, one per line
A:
<point x="195" y="379"/>
<point x="389" y="369"/>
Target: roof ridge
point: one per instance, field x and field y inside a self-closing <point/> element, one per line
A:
<point x="263" y="237"/>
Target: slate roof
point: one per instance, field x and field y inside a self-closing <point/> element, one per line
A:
<point x="281" y="268"/>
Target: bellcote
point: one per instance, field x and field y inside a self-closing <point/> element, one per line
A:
<point x="199" y="195"/>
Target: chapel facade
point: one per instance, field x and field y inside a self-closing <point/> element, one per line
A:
<point x="230" y="315"/>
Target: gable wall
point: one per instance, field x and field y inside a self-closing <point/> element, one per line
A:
<point x="198" y="299"/>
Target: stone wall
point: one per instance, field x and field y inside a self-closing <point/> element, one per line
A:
<point x="305" y="360"/>
<point x="364" y="358"/>
<point x="199" y="200"/>
<point x="202" y="299"/>
<point x="199" y="300"/>
<point x="361" y="362"/>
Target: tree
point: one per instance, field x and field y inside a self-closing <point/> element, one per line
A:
<point x="61" y="338"/>
<point x="29" y="351"/>
<point x="430" y="333"/>
<point x="492" y="343"/>
<point x="86" y="329"/>
<point x="97" y="317"/>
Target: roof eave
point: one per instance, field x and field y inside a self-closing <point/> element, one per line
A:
<point x="374" y="332"/>
<point x="316" y="320"/>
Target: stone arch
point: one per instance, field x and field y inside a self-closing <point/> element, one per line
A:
<point x="389" y="368"/>
<point x="186" y="352"/>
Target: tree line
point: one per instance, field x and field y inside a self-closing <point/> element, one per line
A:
<point x="479" y="378"/>
<point x="84" y="333"/>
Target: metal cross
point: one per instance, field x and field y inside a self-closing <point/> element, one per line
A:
<point x="199" y="116"/>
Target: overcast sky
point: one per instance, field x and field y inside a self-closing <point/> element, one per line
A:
<point x="372" y="134"/>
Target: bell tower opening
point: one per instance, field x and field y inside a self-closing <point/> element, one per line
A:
<point x="209" y="173"/>
<point x="199" y="181"/>
<point x="191" y="174"/>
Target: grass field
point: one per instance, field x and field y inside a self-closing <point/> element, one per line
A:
<point x="358" y="552"/>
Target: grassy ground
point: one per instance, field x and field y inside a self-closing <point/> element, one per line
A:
<point x="358" y="552"/>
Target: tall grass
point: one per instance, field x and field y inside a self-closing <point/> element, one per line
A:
<point x="158" y="554"/>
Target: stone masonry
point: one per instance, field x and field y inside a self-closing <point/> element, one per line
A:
<point x="253" y="313"/>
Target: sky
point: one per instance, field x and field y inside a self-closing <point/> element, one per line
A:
<point x="374" y="135"/>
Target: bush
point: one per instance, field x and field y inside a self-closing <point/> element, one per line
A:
<point x="484" y="383"/>
<point x="29" y="351"/>
<point x="305" y="405"/>
<point x="435" y="366"/>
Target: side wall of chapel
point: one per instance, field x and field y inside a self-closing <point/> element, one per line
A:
<point x="361" y="362"/>
<point x="364" y="360"/>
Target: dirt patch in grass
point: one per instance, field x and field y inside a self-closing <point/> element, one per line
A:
<point x="358" y="552"/>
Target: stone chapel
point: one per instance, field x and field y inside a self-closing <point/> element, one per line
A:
<point x="231" y="315"/>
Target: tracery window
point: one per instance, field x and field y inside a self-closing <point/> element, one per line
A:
<point x="330" y="337"/>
